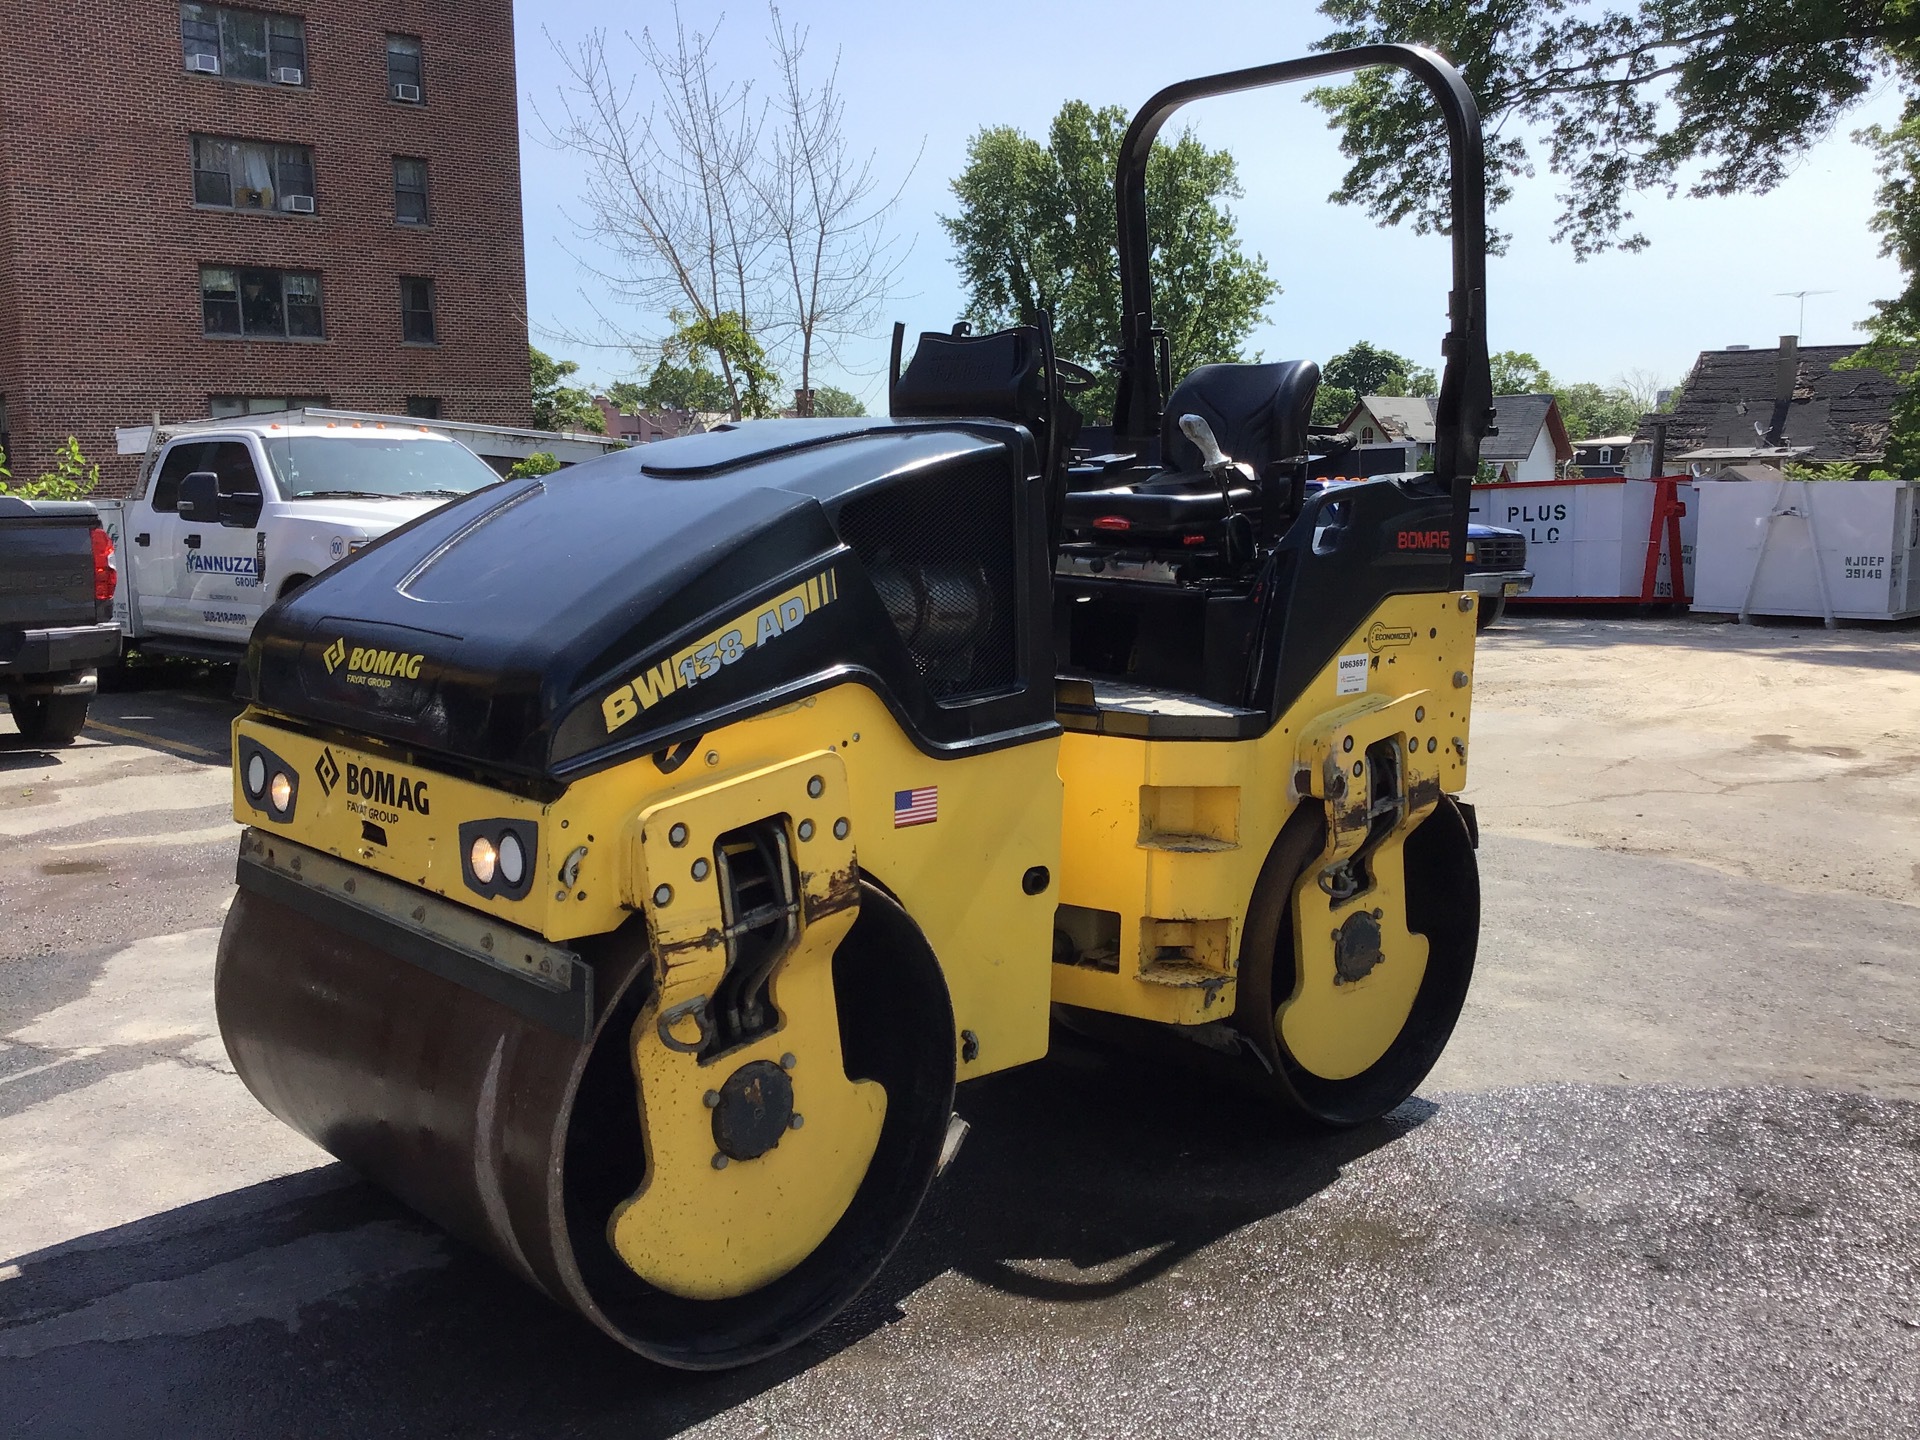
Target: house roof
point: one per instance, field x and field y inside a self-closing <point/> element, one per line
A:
<point x="1518" y="418"/>
<point x="1618" y="442"/>
<point x="1400" y="417"/>
<point x="1837" y="415"/>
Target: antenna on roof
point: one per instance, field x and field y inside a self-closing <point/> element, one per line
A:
<point x="1801" y="296"/>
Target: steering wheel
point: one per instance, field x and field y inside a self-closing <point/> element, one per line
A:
<point x="1072" y="377"/>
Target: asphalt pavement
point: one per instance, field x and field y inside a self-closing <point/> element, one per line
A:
<point x="1666" y="1180"/>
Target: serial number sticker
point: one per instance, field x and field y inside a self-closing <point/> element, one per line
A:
<point x="1350" y="675"/>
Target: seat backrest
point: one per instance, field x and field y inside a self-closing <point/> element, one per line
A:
<point x="1000" y="376"/>
<point x="1259" y="413"/>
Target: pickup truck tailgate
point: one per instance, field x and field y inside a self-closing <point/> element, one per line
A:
<point x="46" y="564"/>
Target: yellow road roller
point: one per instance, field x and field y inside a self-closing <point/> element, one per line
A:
<point x="638" y="856"/>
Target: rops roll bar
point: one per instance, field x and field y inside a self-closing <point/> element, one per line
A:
<point x="1464" y="409"/>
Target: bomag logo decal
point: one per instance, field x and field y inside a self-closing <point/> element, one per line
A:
<point x="710" y="654"/>
<point x="1424" y="540"/>
<point x="376" y="669"/>
<point x="327" y="771"/>
<point x="1382" y="636"/>
<point x="381" y="795"/>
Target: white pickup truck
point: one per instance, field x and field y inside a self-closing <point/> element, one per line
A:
<point x="228" y="517"/>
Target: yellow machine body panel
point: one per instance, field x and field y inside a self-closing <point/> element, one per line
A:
<point x="1164" y="839"/>
<point x="956" y="854"/>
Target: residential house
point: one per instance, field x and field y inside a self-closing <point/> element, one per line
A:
<point x="1745" y="411"/>
<point x="1531" y="444"/>
<point x="645" y="426"/>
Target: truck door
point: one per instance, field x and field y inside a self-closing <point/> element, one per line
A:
<point x="153" y="541"/>
<point x="219" y="590"/>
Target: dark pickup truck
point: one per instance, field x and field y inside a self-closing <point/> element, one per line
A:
<point x="57" y="579"/>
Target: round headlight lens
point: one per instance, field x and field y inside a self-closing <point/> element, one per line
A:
<point x="483" y="858"/>
<point x="513" y="860"/>
<point x="282" y="792"/>
<point x="256" y="775"/>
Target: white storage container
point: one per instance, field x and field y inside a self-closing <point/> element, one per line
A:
<point x="1758" y="550"/>
<point x="1587" y="539"/>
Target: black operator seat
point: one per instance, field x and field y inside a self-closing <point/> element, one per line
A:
<point x="1001" y="376"/>
<point x="1259" y="415"/>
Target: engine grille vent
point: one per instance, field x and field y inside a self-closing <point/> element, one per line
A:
<point x="939" y="547"/>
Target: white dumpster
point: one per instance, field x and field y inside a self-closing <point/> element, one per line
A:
<point x="1587" y="540"/>
<point x="1844" y="549"/>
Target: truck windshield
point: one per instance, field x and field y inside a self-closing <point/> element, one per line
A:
<point x="374" y="466"/>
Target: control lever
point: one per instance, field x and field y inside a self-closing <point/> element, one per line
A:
<point x="1239" y="532"/>
<point x="1212" y="458"/>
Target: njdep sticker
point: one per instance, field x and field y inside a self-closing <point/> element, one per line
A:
<point x="1351" y="675"/>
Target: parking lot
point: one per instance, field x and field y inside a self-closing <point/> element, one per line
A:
<point x="1664" y="1181"/>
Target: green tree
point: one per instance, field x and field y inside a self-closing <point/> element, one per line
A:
<point x="1591" y="410"/>
<point x="1367" y="369"/>
<point x="672" y="387"/>
<point x="538" y="463"/>
<point x="1515" y="372"/>
<point x="1715" y="97"/>
<point x="835" y="403"/>
<point x="1333" y="403"/>
<point x="1036" y="232"/>
<point x="557" y="405"/>
<point x="73" y="476"/>
<point x="740" y="355"/>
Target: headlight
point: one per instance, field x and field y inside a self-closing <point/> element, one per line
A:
<point x="482" y="857"/>
<point x="269" y="783"/>
<point x="496" y="857"/>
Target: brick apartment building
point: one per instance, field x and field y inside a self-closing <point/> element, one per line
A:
<point x="209" y="209"/>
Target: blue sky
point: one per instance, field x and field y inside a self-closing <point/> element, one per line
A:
<point x="921" y="79"/>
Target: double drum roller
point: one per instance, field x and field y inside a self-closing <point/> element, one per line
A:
<point x="717" y="806"/>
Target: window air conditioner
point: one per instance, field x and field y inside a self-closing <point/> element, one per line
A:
<point x="408" y="93"/>
<point x="290" y="75"/>
<point x="299" y="204"/>
<point x="205" y="64"/>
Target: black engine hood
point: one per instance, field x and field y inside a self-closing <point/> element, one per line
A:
<point x="545" y="627"/>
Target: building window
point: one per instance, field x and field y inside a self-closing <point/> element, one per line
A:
<point x="1606" y="454"/>
<point x="226" y="407"/>
<point x="409" y="190"/>
<point x="250" y="175"/>
<point x="423" y="407"/>
<point x="404" y="81"/>
<point x="260" y="304"/>
<point x="416" y="310"/>
<point x="244" y="44"/>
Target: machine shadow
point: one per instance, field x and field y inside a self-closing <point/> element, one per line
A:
<point x="1085" y="1176"/>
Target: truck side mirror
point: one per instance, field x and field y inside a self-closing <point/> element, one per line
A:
<point x="200" y="498"/>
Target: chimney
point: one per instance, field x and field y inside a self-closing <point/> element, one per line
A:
<point x="1786" y="370"/>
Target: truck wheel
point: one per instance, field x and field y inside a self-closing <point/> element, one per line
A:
<point x="1493" y="609"/>
<point x="49" y="719"/>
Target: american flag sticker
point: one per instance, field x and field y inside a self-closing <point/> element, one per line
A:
<point x="916" y="807"/>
